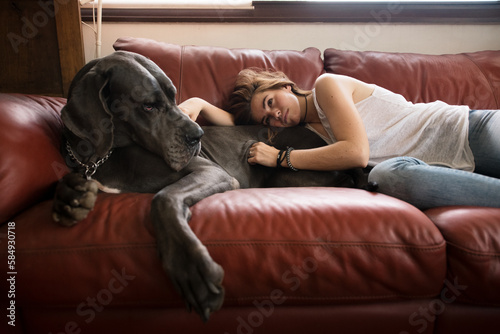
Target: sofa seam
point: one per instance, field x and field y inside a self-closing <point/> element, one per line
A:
<point x="181" y="68"/>
<point x="231" y="244"/>
<point x="466" y="55"/>
<point x="331" y="245"/>
<point x="471" y="252"/>
<point x="338" y="298"/>
<point x="42" y="251"/>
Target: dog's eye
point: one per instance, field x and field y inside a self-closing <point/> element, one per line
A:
<point x="148" y="107"/>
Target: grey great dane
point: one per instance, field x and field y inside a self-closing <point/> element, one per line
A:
<point x="125" y="133"/>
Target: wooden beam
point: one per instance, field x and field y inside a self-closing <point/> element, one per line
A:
<point x="70" y="41"/>
<point x="42" y="46"/>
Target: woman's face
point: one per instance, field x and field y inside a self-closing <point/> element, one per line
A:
<point x="276" y="108"/>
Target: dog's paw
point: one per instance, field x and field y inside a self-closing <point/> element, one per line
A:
<point x="74" y="199"/>
<point x="197" y="278"/>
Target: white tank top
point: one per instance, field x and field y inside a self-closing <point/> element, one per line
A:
<point x="435" y="133"/>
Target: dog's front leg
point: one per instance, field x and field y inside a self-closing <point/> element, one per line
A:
<point x="193" y="272"/>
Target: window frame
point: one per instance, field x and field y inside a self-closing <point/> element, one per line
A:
<point x="459" y="12"/>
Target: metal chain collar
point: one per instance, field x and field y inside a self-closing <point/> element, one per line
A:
<point x="91" y="167"/>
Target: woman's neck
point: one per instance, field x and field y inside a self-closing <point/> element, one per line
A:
<point x="308" y="109"/>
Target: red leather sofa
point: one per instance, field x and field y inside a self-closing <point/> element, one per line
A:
<point x="297" y="260"/>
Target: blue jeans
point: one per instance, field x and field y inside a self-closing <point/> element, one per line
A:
<point x="425" y="186"/>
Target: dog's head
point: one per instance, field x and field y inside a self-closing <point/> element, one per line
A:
<point x="125" y="99"/>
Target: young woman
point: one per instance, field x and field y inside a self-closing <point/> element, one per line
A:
<point x="421" y="153"/>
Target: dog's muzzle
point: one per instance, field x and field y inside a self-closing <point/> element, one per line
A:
<point x="188" y="146"/>
<point x="193" y="137"/>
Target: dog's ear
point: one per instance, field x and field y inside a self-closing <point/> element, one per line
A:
<point x="87" y="116"/>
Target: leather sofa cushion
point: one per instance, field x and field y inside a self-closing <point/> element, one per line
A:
<point x="381" y="318"/>
<point x="471" y="79"/>
<point x="30" y="162"/>
<point x="472" y="235"/>
<point x="210" y="72"/>
<point x="293" y="246"/>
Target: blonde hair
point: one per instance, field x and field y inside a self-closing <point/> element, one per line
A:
<point x="251" y="81"/>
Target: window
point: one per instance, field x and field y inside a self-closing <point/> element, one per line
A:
<point x="206" y="4"/>
<point x="413" y="11"/>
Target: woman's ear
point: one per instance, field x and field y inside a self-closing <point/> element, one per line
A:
<point x="288" y="87"/>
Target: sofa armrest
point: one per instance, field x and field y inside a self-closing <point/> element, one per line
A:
<point x="30" y="161"/>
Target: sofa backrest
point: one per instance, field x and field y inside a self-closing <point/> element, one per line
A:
<point x="210" y="72"/>
<point x="471" y="79"/>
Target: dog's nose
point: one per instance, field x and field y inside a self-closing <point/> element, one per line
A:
<point x="193" y="137"/>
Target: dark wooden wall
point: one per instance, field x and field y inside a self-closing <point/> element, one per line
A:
<point x="41" y="48"/>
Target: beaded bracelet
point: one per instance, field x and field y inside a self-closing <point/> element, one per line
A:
<point x="288" y="150"/>
<point x="281" y="158"/>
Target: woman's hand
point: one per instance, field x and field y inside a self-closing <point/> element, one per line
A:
<point x="263" y="154"/>
<point x="192" y="107"/>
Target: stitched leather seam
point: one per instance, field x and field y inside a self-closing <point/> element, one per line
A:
<point x="492" y="90"/>
<point x="473" y="252"/>
<point x="340" y="298"/>
<point x="181" y="70"/>
<point x="89" y="249"/>
<point x="230" y="244"/>
<point x="325" y="245"/>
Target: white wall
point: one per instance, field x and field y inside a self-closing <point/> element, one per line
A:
<point x="420" y="38"/>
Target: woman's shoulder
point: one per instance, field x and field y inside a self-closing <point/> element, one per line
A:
<point x="327" y="78"/>
<point x="329" y="82"/>
<point x="326" y="83"/>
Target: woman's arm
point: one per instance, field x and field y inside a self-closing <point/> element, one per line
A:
<point x="195" y="106"/>
<point x="335" y="95"/>
<point x="338" y="156"/>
